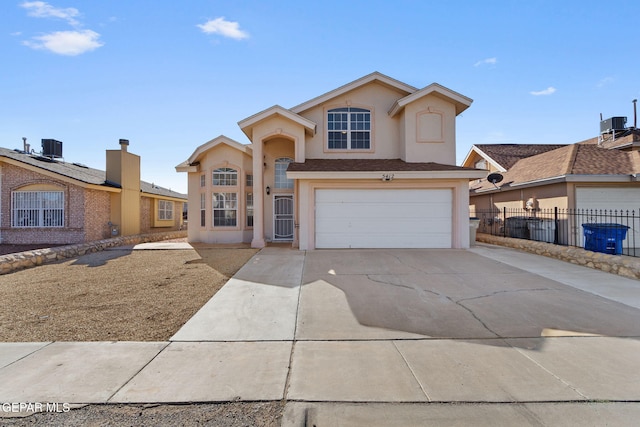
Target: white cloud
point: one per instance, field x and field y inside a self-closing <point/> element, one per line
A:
<point x="41" y="9"/>
<point x="605" y="81"/>
<point x="489" y="61"/>
<point x="224" y="28"/>
<point x="547" y="91"/>
<point x="70" y="43"/>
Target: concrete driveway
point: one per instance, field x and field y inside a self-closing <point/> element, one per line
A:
<point x="380" y="337"/>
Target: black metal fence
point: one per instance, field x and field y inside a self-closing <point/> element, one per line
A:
<point x="607" y="231"/>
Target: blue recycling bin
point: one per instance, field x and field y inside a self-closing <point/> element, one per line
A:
<point x="606" y="238"/>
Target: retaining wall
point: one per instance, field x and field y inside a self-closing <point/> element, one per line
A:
<point x="618" y="264"/>
<point x="21" y="260"/>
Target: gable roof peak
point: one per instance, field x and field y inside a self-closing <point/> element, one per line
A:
<point x="375" y="76"/>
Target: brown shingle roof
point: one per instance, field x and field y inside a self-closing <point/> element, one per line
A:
<point x="575" y="159"/>
<point x="506" y="155"/>
<point x="368" y="165"/>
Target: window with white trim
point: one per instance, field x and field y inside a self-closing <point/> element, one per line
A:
<point x="249" y="209"/>
<point x="349" y="128"/>
<point x="37" y="209"/>
<point x="225" y="209"/>
<point x="225" y="177"/>
<point x="165" y="210"/>
<point x="249" y="180"/>
<point x="203" y="209"/>
<point x="203" y="180"/>
<point x="281" y="180"/>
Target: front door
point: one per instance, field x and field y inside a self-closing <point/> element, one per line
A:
<point x="283" y="217"/>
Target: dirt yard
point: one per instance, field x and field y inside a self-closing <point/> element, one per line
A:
<point x="115" y="295"/>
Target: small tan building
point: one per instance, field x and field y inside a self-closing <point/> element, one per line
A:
<point x="45" y="200"/>
<point x="370" y="164"/>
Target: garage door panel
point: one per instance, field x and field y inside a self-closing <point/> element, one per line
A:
<point x="367" y="240"/>
<point x="611" y="199"/>
<point x="383" y="218"/>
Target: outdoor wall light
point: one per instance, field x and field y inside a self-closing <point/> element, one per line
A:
<point x="268" y="190"/>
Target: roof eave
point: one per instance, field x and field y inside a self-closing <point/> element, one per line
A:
<point x="460" y="101"/>
<point x="484" y="156"/>
<point x="335" y="175"/>
<point x="246" y="125"/>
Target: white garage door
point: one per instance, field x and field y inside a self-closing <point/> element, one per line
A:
<point x="383" y="218"/>
<point x="612" y="199"/>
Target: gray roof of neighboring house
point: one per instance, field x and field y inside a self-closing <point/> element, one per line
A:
<point x="81" y="172"/>
<point x="575" y="159"/>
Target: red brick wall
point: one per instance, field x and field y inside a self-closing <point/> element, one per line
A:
<point x="14" y="178"/>
<point x="146" y="215"/>
<point x="97" y="210"/>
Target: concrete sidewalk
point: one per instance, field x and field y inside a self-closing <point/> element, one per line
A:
<point x="508" y="337"/>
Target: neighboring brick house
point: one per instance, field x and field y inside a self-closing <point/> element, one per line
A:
<point x="46" y="200"/>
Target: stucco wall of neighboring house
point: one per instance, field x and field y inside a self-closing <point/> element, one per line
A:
<point x="544" y="196"/>
<point x="385" y="130"/>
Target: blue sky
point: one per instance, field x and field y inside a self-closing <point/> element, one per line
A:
<point x="171" y="75"/>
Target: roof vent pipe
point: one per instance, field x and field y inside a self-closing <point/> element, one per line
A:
<point x="635" y="116"/>
<point x="26" y="147"/>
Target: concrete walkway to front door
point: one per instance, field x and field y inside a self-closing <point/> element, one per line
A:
<point x="377" y="337"/>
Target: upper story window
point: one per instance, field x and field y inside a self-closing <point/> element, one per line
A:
<point x="203" y="180"/>
<point x="225" y="176"/>
<point x="37" y="209"/>
<point x="249" y="180"/>
<point x="349" y="128"/>
<point x="281" y="180"/>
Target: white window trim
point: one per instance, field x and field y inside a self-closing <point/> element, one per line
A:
<point x="249" y="209"/>
<point x="279" y="175"/>
<point x="165" y="210"/>
<point x="225" y="177"/>
<point x="230" y="201"/>
<point x="349" y="131"/>
<point x="203" y="210"/>
<point x="35" y="209"/>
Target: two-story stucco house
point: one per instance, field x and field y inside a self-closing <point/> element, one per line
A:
<point x="370" y="164"/>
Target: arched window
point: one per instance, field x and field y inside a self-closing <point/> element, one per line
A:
<point x="349" y="128"/>
<point x="37" y="209"/>
<point x="225" y="177"/>
<point x="281" y="180"/>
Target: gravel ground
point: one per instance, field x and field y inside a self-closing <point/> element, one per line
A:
<point x="114" y="295"/>
<point x="236" y="414"/>
<point x="125" y="295"/>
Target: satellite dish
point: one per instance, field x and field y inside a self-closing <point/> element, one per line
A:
<point x="495" y="178"/>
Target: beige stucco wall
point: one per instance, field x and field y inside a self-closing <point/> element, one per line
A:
<point x="273" y="149"/>
<point x="385" y="130"/>
<point x="429" y="131"/>
<point x="546" y="197"/>
<point x="306" y="201"/>
<point x="220" y="156"/>
<point x="124" y="168"/>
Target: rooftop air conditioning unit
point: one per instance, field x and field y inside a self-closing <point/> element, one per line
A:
<point x="613" y="124"/>
<point x="51" y="148"/>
